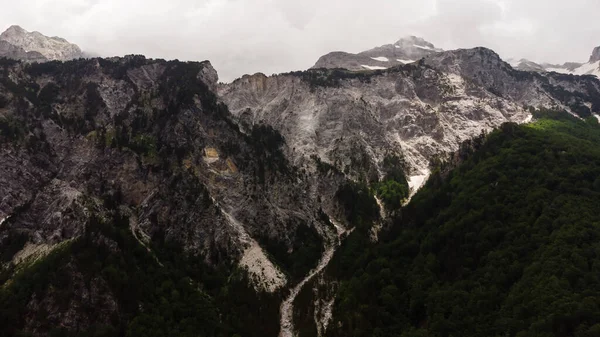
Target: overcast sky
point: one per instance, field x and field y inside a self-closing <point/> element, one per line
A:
<point x="271" y="36"/>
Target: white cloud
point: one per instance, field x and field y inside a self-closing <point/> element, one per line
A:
<point x="246" y="36"/>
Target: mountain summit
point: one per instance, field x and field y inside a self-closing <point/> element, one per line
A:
<point x="406" y="50"/>
<point x="51" y="48"/>
<point x="595" y="55"/>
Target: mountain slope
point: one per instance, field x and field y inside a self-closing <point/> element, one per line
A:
<point x="404" y="51"/>
<point x="11" y="51"/>
<point x="505" y="244"/>
<point x="419" y="111"/>
<point x="51" y="48"/>
<point x="135" y="161"/>
<point x="592" y="67"/>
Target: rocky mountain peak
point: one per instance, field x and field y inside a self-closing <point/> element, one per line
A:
<point x="14" y="30"/>
<point x="406" y="50"/>
<point x="13" y="52"/>
<point x="525" y="65"/>
<point x="415" y="42"/>
<point x="52" y="48"/>
<point x="209" y="76"/>
<point x="595" y="55"/>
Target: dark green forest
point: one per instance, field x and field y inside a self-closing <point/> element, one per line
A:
<point x="505" y="244"/>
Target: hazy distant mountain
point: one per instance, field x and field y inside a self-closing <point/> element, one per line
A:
<point x="590" y="68"/>
<point x="34" y="46"/>
<point x="525" y="65"/>
<point x="14" y="52"/>
<point x="405" y="50"/>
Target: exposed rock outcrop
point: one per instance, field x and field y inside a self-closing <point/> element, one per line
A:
<point x="404" y="51"/>
<point x="151" y="134"/>
<point x="11" y="51"/>
<point x="595" y="55"/>
<point x="352" y="120"/>
<point x="51" y="48"/>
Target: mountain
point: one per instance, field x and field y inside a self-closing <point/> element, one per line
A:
<point x="11" y="51"/>
<point x="499" y="245"/>
<point x="420" y="110"/>
<point x="51" y="48"/>
<point x="141" y="197"/>
<point x="358" y="122"/>
<point x="590" y="68"/>
<point x="525" y="65"/>
<point x="405" y="50"/>
<point x="135" y="161"/>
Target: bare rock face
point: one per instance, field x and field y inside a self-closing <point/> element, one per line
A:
<point x="52" y="48"/>
<point x="526" y="65"/>
<point x="152" y="137"/>
<point x="353" y="119"/>
<point x="209" y="76"/>
<point x="595" y="55"/>
<point x="17" y="53"/>
<point x="404" y="51"/>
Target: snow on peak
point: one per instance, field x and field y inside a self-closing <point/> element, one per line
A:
<point x="373" y="67"/>
<point x="588" y="69"/>
<point x="381" y="59"/>
<point x="422" y="47"/>
<point x="413" y="42"/>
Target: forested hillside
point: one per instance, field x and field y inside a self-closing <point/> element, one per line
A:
<point x="506" y="244"/>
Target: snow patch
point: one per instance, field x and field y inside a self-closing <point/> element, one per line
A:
<point x="4" y="219"/>
<point x="405" y="61"/>
<point x="381" y="59"/>
<point x="422" y="47"/>
<point x="588" y="69"/>
<point x="597" y="117"/>
<point x="513" y="62"/>
<point x="373" y="67"/>
<point x="558" y="70"/>
<point x="417" y="181"/>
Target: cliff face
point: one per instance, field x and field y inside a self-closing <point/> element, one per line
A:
<point x="151" y="137"/>
<point x="595" y="55"/>
<point x="422" y="110"/>
<point x="126" y="177"/>
<point x="11" y="51"/>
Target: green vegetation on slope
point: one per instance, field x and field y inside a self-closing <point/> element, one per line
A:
<point x="393" y="189"/>
<point x="506" y="245"/>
